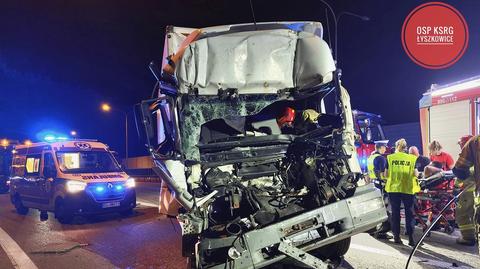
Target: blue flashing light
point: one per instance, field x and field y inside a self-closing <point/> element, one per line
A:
<point x="99" y="189"/>
<point x="364" y="161"/>
<point x="49" y="138"/>
<point x="118" y="187"/>
<point x="53" y="138"/>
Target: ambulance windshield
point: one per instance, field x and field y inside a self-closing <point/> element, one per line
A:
<point x="87" y="162"/>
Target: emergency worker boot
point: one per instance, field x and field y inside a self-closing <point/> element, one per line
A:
<point x="411" y="241"/>
<point x="397" y="239"/>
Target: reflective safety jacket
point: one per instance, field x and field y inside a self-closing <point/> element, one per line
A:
<point x="401" y="173"/>
<point x="371" y="166"/>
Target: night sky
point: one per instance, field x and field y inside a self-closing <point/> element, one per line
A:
<point x="60" y="59"/>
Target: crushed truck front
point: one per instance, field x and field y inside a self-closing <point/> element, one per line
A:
<point x="256" y="136"/>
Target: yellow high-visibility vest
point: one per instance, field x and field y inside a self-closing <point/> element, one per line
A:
<point x="401" y="173"/>
<point x="371" y="166"/>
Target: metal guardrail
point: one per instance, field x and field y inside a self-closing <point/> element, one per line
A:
<point x="144" y="175"/>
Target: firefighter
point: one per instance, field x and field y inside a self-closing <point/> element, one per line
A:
<point x="464" y="213"/>
<point x="401" y="186"/>
<point x="376" y="165"/>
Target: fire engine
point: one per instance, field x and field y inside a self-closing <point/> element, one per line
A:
<point x="448" y="112"/>
<point x="368" y="128"/>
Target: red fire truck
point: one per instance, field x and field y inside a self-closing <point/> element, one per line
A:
<point x="448" y="112"/>
<point x="368" y="127"/>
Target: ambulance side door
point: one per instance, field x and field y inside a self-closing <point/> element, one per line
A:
<point x="29" y="182"/>
<point x="44" y="188"/>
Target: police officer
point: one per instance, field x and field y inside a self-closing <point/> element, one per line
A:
<point x="401" y="186"/>
<point x="464" y="211"/>
<point x="376" y="165"/>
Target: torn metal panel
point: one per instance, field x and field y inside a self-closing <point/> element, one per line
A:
<point x="252" y="62"/>
<point x="265" y="59"/>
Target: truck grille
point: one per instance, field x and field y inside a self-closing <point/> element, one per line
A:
<point x="108" y="191"/>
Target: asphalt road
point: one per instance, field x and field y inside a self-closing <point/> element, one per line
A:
<point x="147" y="240"/>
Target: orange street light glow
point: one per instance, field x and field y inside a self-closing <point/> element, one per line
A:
<point x="106" y="107"/>
<point x="4" y="142"/>
<point x="27" y="143"/>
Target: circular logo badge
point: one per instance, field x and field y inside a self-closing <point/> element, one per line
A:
<point x="82" y="145"/>
<point x="435" y="35"/>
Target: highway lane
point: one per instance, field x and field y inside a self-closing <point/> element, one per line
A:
<point x="147" y="240"/>
<point x="143" y="240"/>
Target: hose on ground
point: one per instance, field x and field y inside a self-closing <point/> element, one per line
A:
<point x="435" y="222"/>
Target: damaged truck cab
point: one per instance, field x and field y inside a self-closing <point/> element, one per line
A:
<point x="253" y="133"/>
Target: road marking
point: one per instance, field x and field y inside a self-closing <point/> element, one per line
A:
<point x="377" y="250"/>
<point x="17" y="256"/>
<point x="147" y="204"/>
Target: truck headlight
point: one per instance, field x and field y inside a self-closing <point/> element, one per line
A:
<point x="75" y="186"/>
<point x="130" y="183"/>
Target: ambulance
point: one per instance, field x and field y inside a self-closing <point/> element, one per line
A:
<point x="69" y="178"/>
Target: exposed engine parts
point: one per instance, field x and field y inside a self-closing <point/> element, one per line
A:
<point x="310" y="175"/>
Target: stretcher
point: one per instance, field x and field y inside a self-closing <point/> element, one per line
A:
<point x="436" y="191"/>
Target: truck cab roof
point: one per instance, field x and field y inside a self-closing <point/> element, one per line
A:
<point x="260" y="58"/>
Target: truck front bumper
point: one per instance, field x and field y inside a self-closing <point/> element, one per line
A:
<point x="308" y="231"/>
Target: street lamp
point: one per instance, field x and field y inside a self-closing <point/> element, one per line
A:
<point x="337" y="20"/>
<point x="27" y="142"/>
<point x="105" y="107"/>
<point x="73" y="133"/>
<point x="5" y="143"/>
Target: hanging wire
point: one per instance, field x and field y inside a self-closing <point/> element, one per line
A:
<point x="253" y="14"/>
<point x="328" y="29"/>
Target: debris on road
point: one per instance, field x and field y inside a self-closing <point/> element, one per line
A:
<point x="60" y="251"/>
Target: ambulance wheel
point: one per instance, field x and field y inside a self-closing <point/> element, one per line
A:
<point x="333" y="251"/>
<point x="19" y="207"/>
<point x="61" y="213"/>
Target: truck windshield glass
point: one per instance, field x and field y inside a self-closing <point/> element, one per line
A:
<point x="87" y="162"/>
<point x="370" y="131"/>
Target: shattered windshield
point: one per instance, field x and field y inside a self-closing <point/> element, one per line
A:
<point x="201" y="109"/>
<point x="197" y="110"/>
<point x="87" y="162"/>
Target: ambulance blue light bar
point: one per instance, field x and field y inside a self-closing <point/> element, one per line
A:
<point x="52" y="138"/>
<point x="49" y="138"/>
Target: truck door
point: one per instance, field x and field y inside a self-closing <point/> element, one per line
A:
<point x="159" y="125"/>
